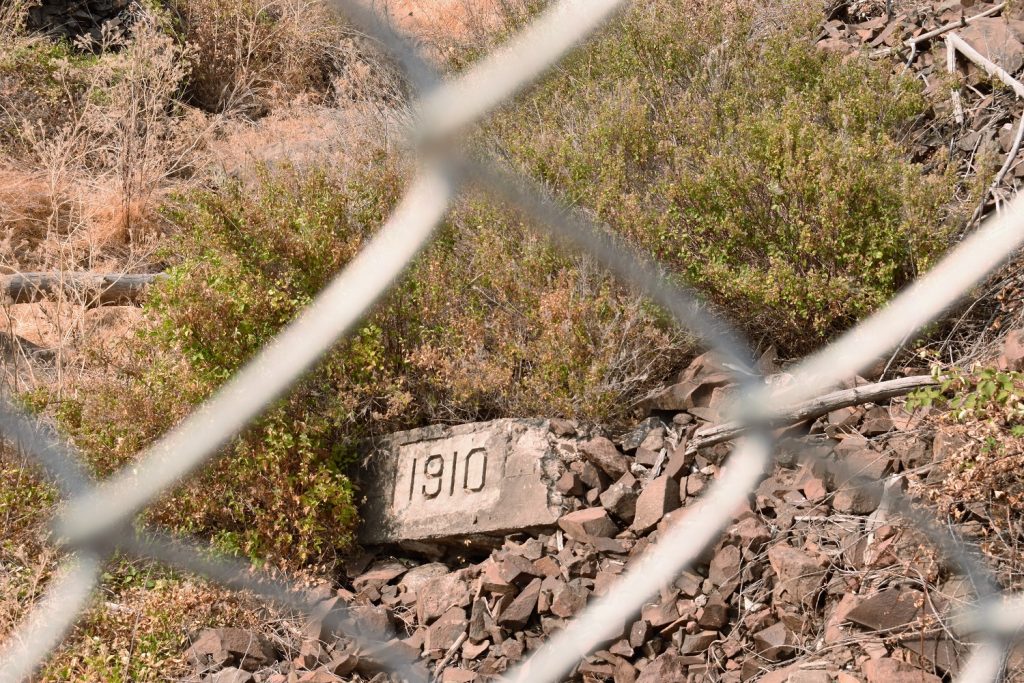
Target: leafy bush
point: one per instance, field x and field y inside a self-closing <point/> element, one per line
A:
<point x="769" y="173"/>
<point x="490" y="321"/>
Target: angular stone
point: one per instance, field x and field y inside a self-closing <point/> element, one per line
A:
<point x="1012" y="356"/>
<point x="443" y="633"/>
<point x="454" y="674"/>
<point x="774" y="642"/>
<point x="698" y="642"/>
<point x="231" y="675"/>
<point x="441" y="482"/>
<point x="659" y="497"/>
<point x="725" y="565"/>
<point x="372" y="622"/>
<point x="620" y="500"/>
<point x="679" y="462"/>
<point x="603" y="453"/>
<point x="668" y="666"/>
<point x="889" y="609"/>
<point x="230" y="646"/>
<point x="799" y="575"/>
<point x="858" y="500"/>
<point x="568" y="599"/>
<point x="437" y="595"/>
<point x="379" y="575"/>
<point x="587" y="523"/>
<point x="886" y="670"/>
<point x="876" y="421"/>
<point x="419" y="576"/>
<point x="516" y="569"/>
<point x="518" y="612"/>
<point x="994" y="39"/>
<point x="716" y="613"/>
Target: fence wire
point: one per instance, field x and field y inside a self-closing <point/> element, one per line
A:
<point x="98" y="518"/>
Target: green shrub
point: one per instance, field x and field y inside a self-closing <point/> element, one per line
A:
<point x="771" y="174"/>
<point x="490" y="321"/>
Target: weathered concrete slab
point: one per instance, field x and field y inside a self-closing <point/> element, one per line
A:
<point x="443" y="482"/>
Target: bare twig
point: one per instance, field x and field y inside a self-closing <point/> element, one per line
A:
<point x="815" y="407"/>
<point x="912" y="42"/>
<point x="990" y="67"/>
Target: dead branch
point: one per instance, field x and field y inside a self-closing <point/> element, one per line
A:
<point x="990" y="67"/>
<point x="90" y="288"/>
<point x="912" y="42"/>
<point x="815" y="407"/>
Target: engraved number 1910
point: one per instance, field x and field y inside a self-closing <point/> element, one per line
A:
<point x="440" y="474"/>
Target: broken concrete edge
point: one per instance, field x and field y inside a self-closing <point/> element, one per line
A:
<point x="461" y="484"/>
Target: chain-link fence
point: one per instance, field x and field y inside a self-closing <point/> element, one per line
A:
<point x="98" y="517"/>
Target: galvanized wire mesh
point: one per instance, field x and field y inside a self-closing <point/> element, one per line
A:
<point x="98" y="517"/>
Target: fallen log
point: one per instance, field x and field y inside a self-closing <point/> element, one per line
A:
<point x="815" y="407"/>
<point x="90" y="289"/>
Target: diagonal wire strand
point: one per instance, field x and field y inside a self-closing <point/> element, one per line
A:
<point x="46" y="625"/>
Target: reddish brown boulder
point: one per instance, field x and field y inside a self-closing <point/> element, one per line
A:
<point x="603" y="453"/>
<point x="668" y="666"/>
<point x="586" y="523"/>
<point x="799" y="575"/>
<point x="887" y="670"/>
<point x="658" y="498"/>
<point x="518" y="612"/>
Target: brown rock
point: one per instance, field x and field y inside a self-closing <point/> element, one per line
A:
<point x="231" y="675"/>
<point x="638" y="633"/>
<point x="862" y="465"/>
<point x="679" y="463"/>
<point x="570" y="484"/>
<point x="568" y="599"/>
<point x="889" y="609"/>
<point x="438" y="595"/>
<point x="858" y="500"/>
<point x="876" y="421"/>
<point x="583" y="524"/>
<point x="517" y="570"/>
<point x="668" y="666"/>
<point x="372" y="622"/>
<point x="383" y="657"/>
<point x="716" y="613"/>
<point x="1012" y="355"/>
<point x="750" y="533"/>
<point x="993" y="38"/>
<point x="218" y="647"/>
<point x="808" y="676"/>
<point x="518" y="612"/>
<point x="799" y="575"/>
<point x="443" y="633"/>
<point x="379" y="574"/>
<point x="321" y="675"/>
<point x="454" y="674"/>
<point x="698" y="642"/>
<point x="342" y="664"/>
<point x="725" y="565"/>
<point x="419" y="576"/>
<point x="886" y="670"/>
<point x="603" y="453"/>
<point x="658" y="498"/>
<point x="620" y="500"/>
<point x="774" y="642"/>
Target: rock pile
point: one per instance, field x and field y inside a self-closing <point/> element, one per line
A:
<point x="815" y="579"/>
